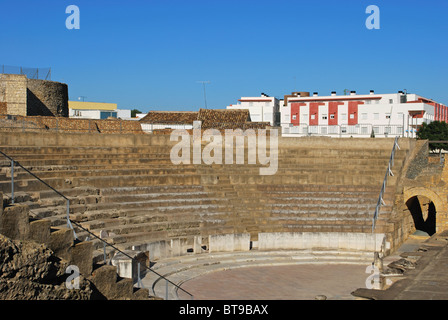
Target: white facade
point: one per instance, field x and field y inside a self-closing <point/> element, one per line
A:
<point x="124" y="114"/>
<point x="261" y="109"/>
<point x="386" y="115"/>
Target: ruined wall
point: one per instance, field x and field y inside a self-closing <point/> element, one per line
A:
<point x="62" y="124"/>
<point x="47" y="98"/>
<point x="13" y="92"/>
<point x="33" y="97"/>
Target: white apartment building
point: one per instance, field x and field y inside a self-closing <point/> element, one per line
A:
<point x="261" y="109"/>
<point x="358" y="115"/>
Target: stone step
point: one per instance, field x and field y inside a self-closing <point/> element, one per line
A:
<point x="151" y="189"/>
<point x="96" y="161"/>
<point x="103" y="172"/>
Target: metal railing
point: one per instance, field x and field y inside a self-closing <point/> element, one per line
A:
<point x="70" y="224"/>
<point x="383" y="187"/>
<point x="365" y="130"/>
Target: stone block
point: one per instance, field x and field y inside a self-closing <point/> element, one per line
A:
<point x="81" y="256"/>
<point x="127" y="264"/>
<point x="104" y="278"/>
<point x="156" y="249"/>
<point x="60" y="242"/>
<point x="40" y="231"/>
<point x="229" y="242"/>
<point x="14" y="222"/>
<point x="124" y="290"/>
<point x="176" y="248"/>
<point x="197" y="245"/>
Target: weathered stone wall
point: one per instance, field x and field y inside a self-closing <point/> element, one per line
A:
<point x="3" y="107"/>
<point x="13" y="92"/>
<point x="47" y="98"/>
<point x="63" y="124"/>
<point x="32" y="96"/>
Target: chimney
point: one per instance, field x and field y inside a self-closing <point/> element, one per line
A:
<point x="372" y="92"/>
<point x="314" y="94"/>
<point x="333" y="93"/>
<point x="352" y="93"/>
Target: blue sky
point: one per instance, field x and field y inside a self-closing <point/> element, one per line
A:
<point x="150" y="55"/>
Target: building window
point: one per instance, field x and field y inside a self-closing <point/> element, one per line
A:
<point x="304" y="116"/>
<point x="343" y="130"/>
<point x="331" y="116"/>
<point x="364" y="116"/>
<point x="313" y="116"/>
<point x="324" y="117"/>
<point x="368" y="101"/>
<point x="251" y="104"/>
<point x="364" y="130"/>
<point x="108" y="114"/>
<point x="352" y="116"/>
<point x="294" y="117"/>
<point x="344" y="116"/>
<point x="391" y="101"/>
<point x="376" y="130"/>
<point x="387" y="115"/>
<point x="387" y="130"/>
<point x="323" y="130"/>
<point x="376" y="116"/>
<point x="400" y="130"/>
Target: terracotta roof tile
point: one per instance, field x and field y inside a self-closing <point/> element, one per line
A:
<point x="170" y="117"/>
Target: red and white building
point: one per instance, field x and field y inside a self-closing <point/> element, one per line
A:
<point x="358" y="115"/>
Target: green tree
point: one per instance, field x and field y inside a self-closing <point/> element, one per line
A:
<point x="134" y="112"/>
<point x="435" y="131"/>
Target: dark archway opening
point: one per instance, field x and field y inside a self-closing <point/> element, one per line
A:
<point x="423" y="213"/>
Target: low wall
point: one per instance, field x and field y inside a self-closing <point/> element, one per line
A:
<point x="41" y="139"/>
<point x="229" y="242"/>
<point x="343" y="241"/>
<point x="374" y="242"/>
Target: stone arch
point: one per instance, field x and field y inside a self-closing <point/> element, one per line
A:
<point x="429" y="221"/>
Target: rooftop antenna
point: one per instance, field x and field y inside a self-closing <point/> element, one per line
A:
<point x="205" y="97"/>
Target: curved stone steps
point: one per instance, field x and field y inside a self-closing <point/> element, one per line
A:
<point x="181" y="269"/>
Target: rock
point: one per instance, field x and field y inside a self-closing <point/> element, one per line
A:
<point x="30" y="271"/>
<point x="402" y="264"/>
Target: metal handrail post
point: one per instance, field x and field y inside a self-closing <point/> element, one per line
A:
<point x="69" y="223"/>
<point x="166" y="290"/>
<point x="12" y="181"/>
